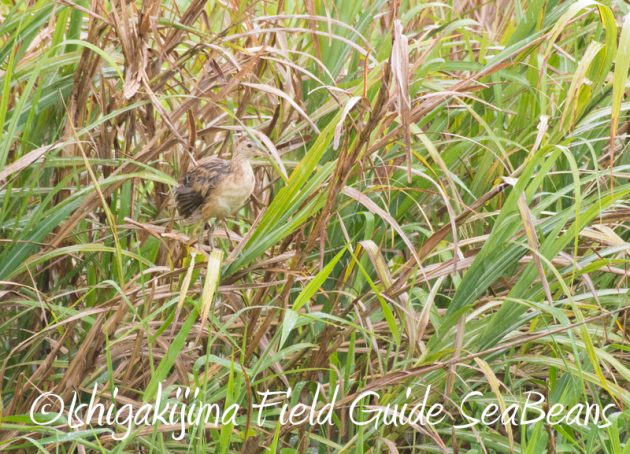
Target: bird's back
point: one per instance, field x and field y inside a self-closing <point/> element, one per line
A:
<point x="197" y="185"/>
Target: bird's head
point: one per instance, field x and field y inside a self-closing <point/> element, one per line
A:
<point x="247" y="148"/>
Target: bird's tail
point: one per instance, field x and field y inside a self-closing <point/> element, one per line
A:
<point x="188" y="201"/>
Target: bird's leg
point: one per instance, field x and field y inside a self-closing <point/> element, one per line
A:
<point x="200" y="235"/>
<point x="227" y="232"/>
<point x="211" y="234"/>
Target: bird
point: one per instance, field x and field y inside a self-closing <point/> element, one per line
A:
<point x="216" y="188"/>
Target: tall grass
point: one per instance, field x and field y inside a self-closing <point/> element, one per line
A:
<point x="446" y="204"/>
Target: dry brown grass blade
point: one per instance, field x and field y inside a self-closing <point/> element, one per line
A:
<point x="83" y="360"/>
<point x="423" y="318"/>
<point x="26" y="160"/>
<point x="400" y="69"/>
<point x="532" y="240"/>
<point x="339" y="128"/>
<point x="457" y="350"/>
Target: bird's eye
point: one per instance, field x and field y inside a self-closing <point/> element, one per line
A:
<point x="249" y="145"/>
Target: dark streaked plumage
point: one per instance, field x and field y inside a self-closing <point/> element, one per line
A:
<point x="216" y="188"/>
<point x="195" y="187"/>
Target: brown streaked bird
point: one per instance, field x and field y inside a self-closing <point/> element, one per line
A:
<point x="216" y="188"/>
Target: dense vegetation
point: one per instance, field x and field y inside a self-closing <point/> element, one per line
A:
<point x="445" y="203"/>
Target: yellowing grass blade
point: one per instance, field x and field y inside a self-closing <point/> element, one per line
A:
<point x="210" y="284"/>
<point x="183" y="291"/>
<point x="534" y="245"/>
<point x="495" y="385"/>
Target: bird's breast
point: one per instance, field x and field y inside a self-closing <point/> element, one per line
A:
<point x="232" y="193"/>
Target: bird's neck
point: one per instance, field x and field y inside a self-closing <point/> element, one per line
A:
<point x="240" y="161"/>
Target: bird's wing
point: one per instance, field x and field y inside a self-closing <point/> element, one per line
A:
<point x="206" y="175"/>
<point x="197" y="185"/>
